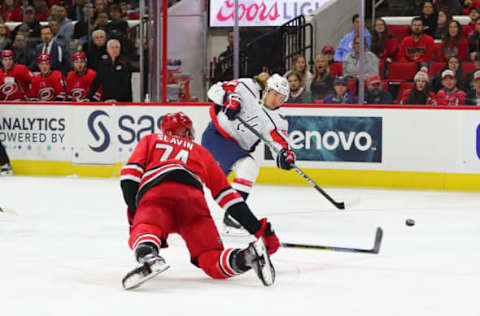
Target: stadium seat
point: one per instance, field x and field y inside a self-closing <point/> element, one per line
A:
<point x="435" y="68"/>
<point x="400" y="71"/>
<point x="405" y="85"/>
<point x="399" y="31"/>
<point x="336" y="69"/>
<point x="381" y="70"/>
<point x="468" y="67"/>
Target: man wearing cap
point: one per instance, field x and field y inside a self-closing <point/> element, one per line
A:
<point x="341" y="94"/>
<point x="450" y="95"/>
<point x="375" y="93"/>
<point x="15" y="79"/>
<point x="80" y="79"/>
<point x="328" y="51"/>
<point x="473" y="97"/>
<point x="48" y="85"/>
<point x="30" y="24"/>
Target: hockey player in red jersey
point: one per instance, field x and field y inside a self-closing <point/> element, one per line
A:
<point x="48" y="85"/>
<point x="15" y="79"/>
<point x="79" y="80"/>
<point x="162" y="186"/>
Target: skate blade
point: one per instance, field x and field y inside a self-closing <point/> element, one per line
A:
<point x="266" y="271"/>
<point x="234" y="232"/>
<point x="141" y="275"/>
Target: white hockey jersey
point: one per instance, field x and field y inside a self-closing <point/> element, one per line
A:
<point x="271" y="124"/>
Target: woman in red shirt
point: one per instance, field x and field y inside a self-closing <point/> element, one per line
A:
<point x="454" y="44"/>
<point x="11" y="12"/>
<point x="384" y="45"/>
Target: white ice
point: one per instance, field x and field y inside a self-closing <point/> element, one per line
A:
<point x="63" y="251"/>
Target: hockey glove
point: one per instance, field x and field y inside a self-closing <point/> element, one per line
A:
<point x="231" y="105"/>
<point x="268" y="235"/>
<point x="285" y="159"/>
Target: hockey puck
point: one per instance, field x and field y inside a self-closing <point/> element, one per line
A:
<point x="409" y="222"/>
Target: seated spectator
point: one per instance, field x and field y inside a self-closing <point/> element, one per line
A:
<point x="42" y="11"/>
<point x="341" y="94"/>
<point x="298" y="94"/>
<point x="80" y="79"/>
<point x="97" y="49"/>
<point x="417" y="47"/>
<point x="117" y="28"/>
<point x="450" y="95"/>
<point x="444" y="18"/>
<point x="322" y="81"/>
<point x="30" y="24"/>
<point x="384" y="45"/>
<point x="414" y="8"/>
<point x="16" y="79"/>
<point x="454" y="44"/>
<point x="11" y="12"/>
<point x="345" y="46"/>
<point x="55" y="27"/>
<point x="48" y="85"/>
<point x="59" y="13"/>
<point x="375" y="93"/>
<point x="328" y="51"/>
<point x="4" y="36"/>
<point x="473" y="97"/>
<point x="420" y="94"/>
<point x="300" y="66"/>
<point x="455" y="65"/>
<point x="75" y="11"/>
<point x="23" y="53"/>
<point x="101" y="21"/>
<point x="59" y="57"/>
<point x="468" y="81"/>
<point x="352" y="61"/>
<point x="429" y="18"/>
<point x="84" y="26"/>
<point x="473" y="14"/>
<point x="474" y="42"/>
<point x="101" y="6"/>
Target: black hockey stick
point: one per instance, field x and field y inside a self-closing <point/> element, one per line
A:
<point x="339" y="205"/>
<point x="374" y="250"/>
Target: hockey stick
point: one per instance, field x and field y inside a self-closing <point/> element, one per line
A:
<point x="339" y="205"/>
<point x="374" y="250"/>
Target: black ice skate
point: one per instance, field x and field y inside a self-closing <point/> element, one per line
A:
<point x="149" y="266"/>
<point x="258" y="258"/>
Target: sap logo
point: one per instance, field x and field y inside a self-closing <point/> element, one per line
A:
<point x="94" y="122"/>
<point x="478" y="141"/>
<point x="331" y="140"/>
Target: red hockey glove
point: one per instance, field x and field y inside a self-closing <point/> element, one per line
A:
<point x="285" y="159"/>
<point x="268" y="235"/>
<point x="231" y="105"/>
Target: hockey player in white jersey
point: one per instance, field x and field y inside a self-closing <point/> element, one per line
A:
<point x="257" y="101"/>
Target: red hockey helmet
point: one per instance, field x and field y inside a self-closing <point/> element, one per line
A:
<point x="43" y="58"/>
<point x="7" y="53"/>
<point x="79" y="56"/>
<point x="177" y="124"/>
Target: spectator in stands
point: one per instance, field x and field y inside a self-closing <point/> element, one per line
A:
<point x="375" y="93"/>
<point x="98" y="49"/>
<point x="55" y="27"/>
<point x="444" y="18"/>
<point x="228" y="52"/>
<point x="453" y="5"/>
<point x="16" y="78"/>
<point x="23" y="53"/>
<point x="30" y="24"/>
<point x="80" y="79"/>
<point x="117" y="28"/>
<point x="429" y="18"/>
<point x="414" y="9"/>
<point x="417" y="47"/>
<point x="450" y="95"/>
<point x="75" y="12"/>
<point x="4" y="37"/>
<point x="101" y="21"/>
<point x="384" y="45"/>
<point x="454" y="44"/>
<point x="84" y="26"/>
<point x="11" y="12"/>
<point x="322" y="81"/>
<point x="59" y="57"/>
<point x="48" y="85"/>
<point x="468" y="81"/>
<point x="42" y="11"/>
<point x="328" y="51"/>
<point x="473" y="14"/>
<point x="455" y="65"/>
<point x="352" y="62"/>
<point x="341" y="94"/>
<point x="299" y="66"/>
<point x="59" y="13"/>
<point x="101" y="6"/>
<point x="345" y="46"/>
<point x="420" y="94"/>
<point x="114" y="74"/>
<point x="474" y="42"/>
<point x="473" y="97"/>
<point x="298" y="93"/>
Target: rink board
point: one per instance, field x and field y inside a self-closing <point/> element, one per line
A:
<point x="381" y="146"/>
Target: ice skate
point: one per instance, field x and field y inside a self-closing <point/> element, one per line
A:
<point x="258" y="258"/>
<point x="232" y="228"/>
<point x="150" y="265"/>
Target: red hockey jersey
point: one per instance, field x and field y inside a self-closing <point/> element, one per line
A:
<point x="452" y="99"/>
<point x="79" y="86"/>
<point x="159" y="157"/>
<point x="16" y="83"/>
<point x="48" y="88"/>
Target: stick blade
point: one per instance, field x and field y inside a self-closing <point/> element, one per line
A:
<point x="378" y="240"/>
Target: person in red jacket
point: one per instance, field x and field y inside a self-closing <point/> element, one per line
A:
<point x="454" y="45"/>
<point x="162" y="185"/>
<point x="11" y="12"/>
<point x="16" y="79"/>
<point x="450" y="95"/>
<point x="80" y="79"/>
<point x="384" y="45"/>
<point x="48" y="85"/>
<point x="417" y="47"/>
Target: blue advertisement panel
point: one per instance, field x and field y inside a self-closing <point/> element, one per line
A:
<point x="336" y="138"/>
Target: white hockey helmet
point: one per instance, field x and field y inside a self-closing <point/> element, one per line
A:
<point x="279" y="84"/>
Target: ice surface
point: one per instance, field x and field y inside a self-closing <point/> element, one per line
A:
<point x="63" y="251"/>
